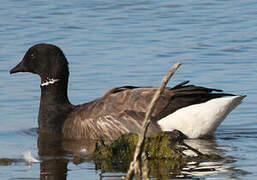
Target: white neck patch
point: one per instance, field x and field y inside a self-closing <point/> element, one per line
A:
<point x="49" y="81"/>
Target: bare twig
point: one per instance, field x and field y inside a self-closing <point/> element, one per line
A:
<point x="140" y="144"/>
<point x="145" y="166"/>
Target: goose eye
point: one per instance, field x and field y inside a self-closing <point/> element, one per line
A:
<point x="32" y="56"/>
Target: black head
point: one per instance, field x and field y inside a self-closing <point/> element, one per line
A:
<point x="46" y="60"/>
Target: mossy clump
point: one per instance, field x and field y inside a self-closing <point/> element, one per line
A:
<point x="162" y="145"/>
<point x="5" y="161"/>
<point x="118" y="155"/>
<point x="164" y="151"/>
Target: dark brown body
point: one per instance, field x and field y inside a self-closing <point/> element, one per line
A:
<point x="121" y="110"/>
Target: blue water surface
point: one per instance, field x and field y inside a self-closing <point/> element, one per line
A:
<point x="113" y="43"/>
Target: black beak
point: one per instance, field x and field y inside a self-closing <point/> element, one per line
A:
<point x="18" y="68"/>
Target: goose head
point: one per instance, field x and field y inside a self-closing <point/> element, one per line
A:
<point x="46" y="60"/>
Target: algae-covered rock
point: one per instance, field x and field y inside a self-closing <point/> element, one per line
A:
<point x="5" y="161"/>
<point x="164" y="151"/>
<point x="164" y="145"/>
<point x="117" y="155"/>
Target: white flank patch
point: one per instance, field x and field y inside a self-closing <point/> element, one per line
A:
<point x="49" y="81"/>
<point x="29" y="158"/>
<point x="200" y="119"/>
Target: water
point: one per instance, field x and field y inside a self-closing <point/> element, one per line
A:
<point x="114" y="43"/>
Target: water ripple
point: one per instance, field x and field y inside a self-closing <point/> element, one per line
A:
<point x="114" y="43"/>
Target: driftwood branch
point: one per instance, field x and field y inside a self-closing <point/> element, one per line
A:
<point x="135" y="164"/>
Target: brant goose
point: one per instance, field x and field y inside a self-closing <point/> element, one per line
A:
<point x="194" y="110"/>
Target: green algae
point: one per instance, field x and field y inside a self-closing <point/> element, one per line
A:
<point x="5" y="161"/>
<point x="160" y="146"/>
<point x="117" y="155"/>
<point x="164" y="151"/>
